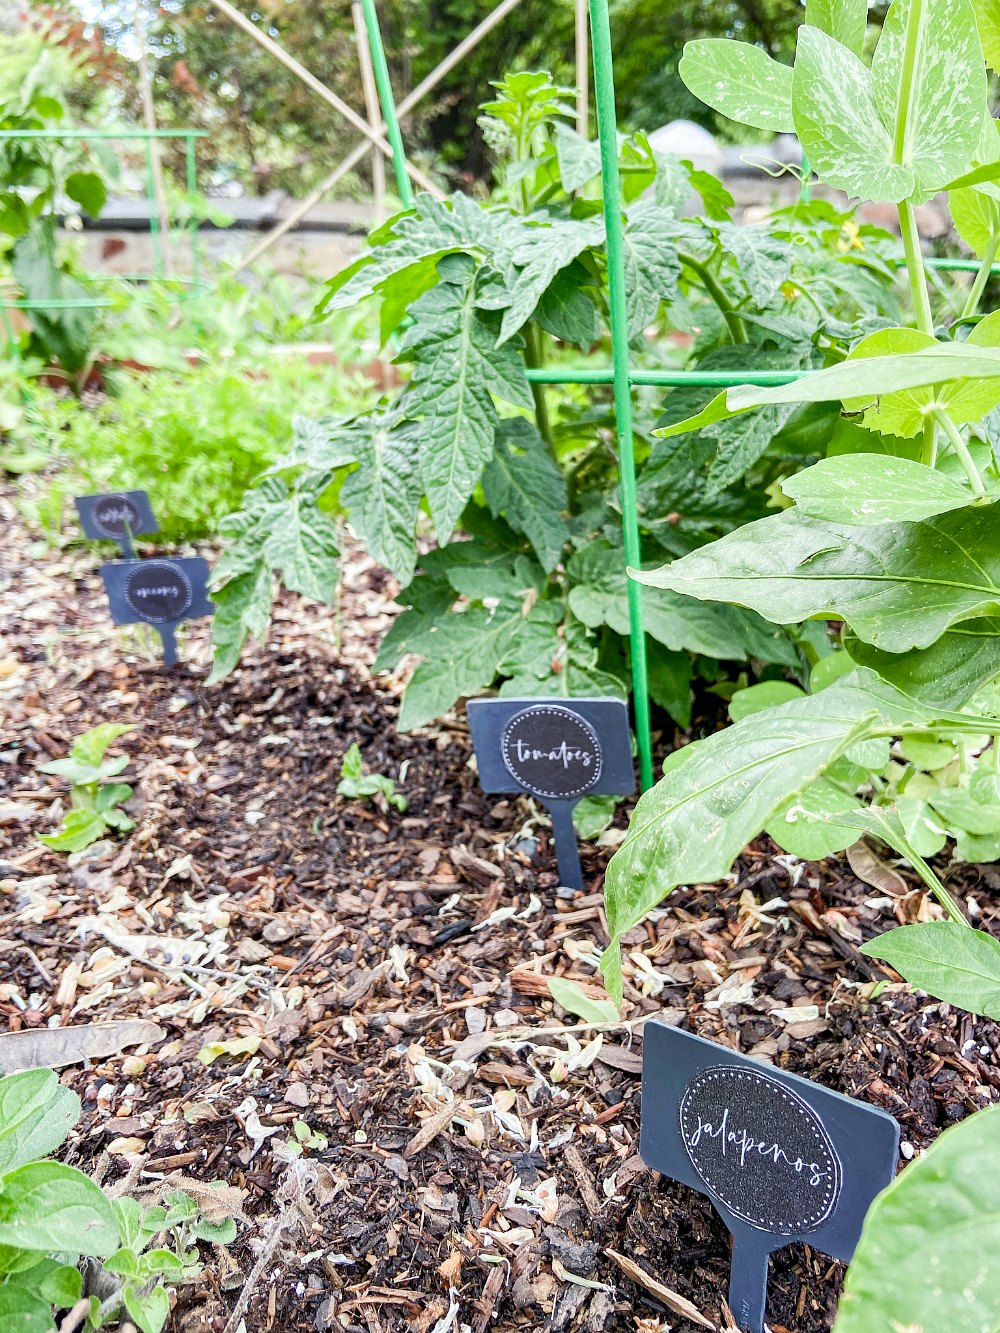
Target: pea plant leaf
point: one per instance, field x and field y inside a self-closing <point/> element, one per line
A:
<point x="868" y="489"/>
<point x="651" y="264"/>
<point x="457" y="368"/>
<point x="926" y="1254"/>
<point x="838" y="123"/>
<point x="976" y="216"/>
<point x="741" y="81"/>
<point x="949" y="961"/>
<point x="899" y="585"/>
<point x="691" y="826"/>
<point x="988" y="23"/>
<point x="845" y="20"/>
<point x="522" y="481"/>
<point x="945" y="112"/>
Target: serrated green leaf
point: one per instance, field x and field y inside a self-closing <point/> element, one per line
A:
<point x="537" y="256"/>
<point x="382" y="496"/>
<point x="845" y="20"/>
<point x="242" y="611"/>
<point x="694" y="823"/>
<point x="868" y="489"/>
<point x="575" y="1000"/>
<point x="457" y="367"/>
<point x="579" y="158"/>
<point x="670" y="676"/>
<point x="36" y="1114"/>
<point x="764" y="261"/>
<point x="741" y="81"/>
<point x="838" y="122"/>
<point x="45" y="1206"/>
<point x="945" y="113"/>
<point x="566" y="310"/>
<point x="949" y="961"/>
<point x="523" y="482"/>
<point x="302" y="545"/>
<point x="925" y="1259"/>
<point x="651" y="264"/>
<point x="899" y="586"/>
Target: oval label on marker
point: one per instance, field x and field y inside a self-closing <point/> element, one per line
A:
<point x="760" y="1149"/>
<point x="116" y="515"/>
<point x="158" y="591"/>
<point x="551" y="751"/>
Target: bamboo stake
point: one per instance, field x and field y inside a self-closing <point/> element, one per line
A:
<point x="356" y="154"/>
<point x="321" y="90"/>
<point x="582" y="70"/>
<point x="372" y="107"/>
<point x="153" y="145"/>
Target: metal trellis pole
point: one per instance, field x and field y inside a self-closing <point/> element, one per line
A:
<point x="607" y="129"/>
<point x="384" y="86"/>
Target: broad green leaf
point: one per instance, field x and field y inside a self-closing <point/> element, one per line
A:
<point x="36" y="1114"/>
<point x="302" y="545"/>
<point x="651" y="264"/>
<point x="22" y="1311"/>
<point x="87" y="189"/>
<point x="694" y="823"/>
<point x="149" y="1309"/>
<point x="899" y="586"/>
<point x="976" y="217"/>
<point x="242" y="611"/>
<point x="846" y="20"/>
<point x="854" y="381"/>
<point x="838" y="123"/>
<point x="78" y="829"/>
<point x="537" y="257"/>
<point x="382" y="496"/>
<point x="600" y="597"/>
<point x="592" y="815"/>
<point x="60" y="1284"/>
<point x="741" y="81"/>
<point x="758" y="698"/>
<point x="988" y="23"/>
<point x="803" y="827"/>
<point x="670" y="676"/>
<point x="567" y="310"/>
<point x="921" y="828"/>
<point x="946" y="674"/>
<point x="575" y="1000"/>
<point x="579" y="158"/>
<point x="926" y="1258"/>
<point x="868" y="489"/>
<point x="457" y="367"/>
<point x="523" y="482"/>
<point x="45" y="1206"/>
<point x="948" y="88"/>
<point x="552" y="656"/>
<point x="958" y="808"/>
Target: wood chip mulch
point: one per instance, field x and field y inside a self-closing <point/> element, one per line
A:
<point x="470" y="1160"/>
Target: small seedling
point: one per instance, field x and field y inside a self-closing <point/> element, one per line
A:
<point x="94" y="800"/>
<point x="357" y="785"/>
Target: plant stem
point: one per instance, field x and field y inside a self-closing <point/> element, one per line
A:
<point x="737" y="331"/>
<point x="961" y="449"/>
<point x="982" y="277"/>
<point x="533" y="360"/>
<point x="908" y="86"/>
<point x="928" y="454"/>
<point x="915" y="268"/>
<point x="939" y="891"/>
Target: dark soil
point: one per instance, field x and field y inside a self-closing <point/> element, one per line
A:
<point x="369" y="957"/>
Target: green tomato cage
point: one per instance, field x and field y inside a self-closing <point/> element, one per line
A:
<point x="174" y="240"/>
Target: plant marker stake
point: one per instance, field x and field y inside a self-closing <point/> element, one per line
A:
<point x="557" y="750"/>
<point x="160" y="592"/>
<point x="607" y="129"/>
<point x="116" y="516"/>
<point x="781" y="1158"/>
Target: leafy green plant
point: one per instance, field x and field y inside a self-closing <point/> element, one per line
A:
<point x="471" y="296"/>
<point x="357" y="785"/>
<point x="36" y="177"/>
<point x="94" y="799"/>
<point x="925" y="1258"/>
<point x="894" y="534"/>
<point x="49" y="1214"/>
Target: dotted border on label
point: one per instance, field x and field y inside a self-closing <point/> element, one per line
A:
<point x="121" y="498"/>
<point x="554" y="710"/>
<point x="174" y="568"/>
<point x="831" y="1191"/>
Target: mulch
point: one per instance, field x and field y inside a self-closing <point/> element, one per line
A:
<point x="470" y="1161"/>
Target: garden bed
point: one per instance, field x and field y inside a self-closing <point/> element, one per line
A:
<point x="370" y="958"/>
